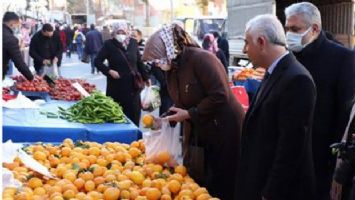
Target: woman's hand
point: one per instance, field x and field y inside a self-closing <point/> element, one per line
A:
<point x="179" y="116"/>
<point x="114" y="74"/>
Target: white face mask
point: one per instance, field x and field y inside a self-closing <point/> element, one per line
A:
<point x="294" y="40"/>
<point x="120" y="37"/>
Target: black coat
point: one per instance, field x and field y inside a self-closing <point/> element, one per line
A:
<point x="276" y="156"/>
<point x="224" y="46"/>
<point x="11" y="51"/>
<point x="333" y="69"/>
<point x="93" y="42"/>
<point x="122" y="89"/>
<point x="42" y="47"/>
<point x="220" y="55"/>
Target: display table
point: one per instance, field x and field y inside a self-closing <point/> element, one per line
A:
<point x="28" y="125"/>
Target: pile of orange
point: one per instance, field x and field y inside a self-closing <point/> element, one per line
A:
<point x="93" y="171"/>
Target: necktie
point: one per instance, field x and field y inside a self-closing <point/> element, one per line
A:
<point x="262" y="85"/>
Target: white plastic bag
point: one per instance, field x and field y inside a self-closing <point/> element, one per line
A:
<point x="162" y="142"/>
<point x="150" y="98"/>
<point x="52" y="71"/>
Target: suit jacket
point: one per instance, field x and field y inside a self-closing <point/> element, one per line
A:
<point x="224" y="46"/>
<point x="333" y="69"/>
<point x="276" y="156"/>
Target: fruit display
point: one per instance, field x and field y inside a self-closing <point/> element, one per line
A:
<point x="94" y="109"/>
<point x="64" y="90"/>
<point x="38" y="84"/>
<point x="249" y="73"/>
<point x="109" y="171"/>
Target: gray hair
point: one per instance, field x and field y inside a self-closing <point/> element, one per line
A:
<point x="308" y="11"/>
<point x="269" y="26"/>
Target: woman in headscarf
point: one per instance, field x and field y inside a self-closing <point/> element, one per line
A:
<point x="212" y="118"/>
<point x="123" y="56"/>
<point x="209" y="43"/>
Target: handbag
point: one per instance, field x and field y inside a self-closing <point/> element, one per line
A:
<point x="138" y="82"/>
<point x="85" y="57"/>
<point x="194" y="159"/>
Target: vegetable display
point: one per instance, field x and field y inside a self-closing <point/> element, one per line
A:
<point x="95" y="109"/>
<point x="64" y="90"/>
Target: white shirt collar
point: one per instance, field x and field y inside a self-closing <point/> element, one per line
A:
<point x="274" y="64"/>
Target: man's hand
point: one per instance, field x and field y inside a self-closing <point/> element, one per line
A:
<point x="46" y="62"/>
<point x="55" y="60"/>
<point x="179" y="116"/>
<point x="114" y="74"/>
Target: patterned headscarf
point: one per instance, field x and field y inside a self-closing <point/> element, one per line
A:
<point x="210" y="43"/>
<point x="166" y="44"/>
<point x="121" y="26"/>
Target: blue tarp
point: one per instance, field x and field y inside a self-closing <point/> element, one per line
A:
<point x="28" y="125"/>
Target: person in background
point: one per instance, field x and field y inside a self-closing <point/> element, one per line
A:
<point x="10" y="46"/>
<point x="58" y="39"/>
<point x="123" y="56"/>
<point x="79" y="39"/>
<point x="212" y="118"/>
<point x="210" y="44"/>
<point x="84" y="29"/>
<point x="276" y="158"/>
<point x="222" y="44"/>
<point x="45" y="49"/>
<point x="137" y="34"/>
<point x="332" y="67"/>
<point x="106" y="35"/>
<point x="93" y="45"/>
<point x="69" y="34"/>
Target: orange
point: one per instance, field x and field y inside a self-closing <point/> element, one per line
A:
<point x="98" y="171"/>
<point x="165" y="197"/>
<point x="89" y="186"/>
<point x="137" y="177"/>
<point x="147" y="183"/>
<point x="124" y="185"/>
<point x="111" y="193"/>
<point x="180" y="169"/>
<point x="200" y="191"/>
<point x="79" y="183"/>
<point x="203" y="196"/>
<point x="39" y="155"/>
<point x="54" y="189"/>
<point x="148" y="121"/>
<point x="71" y="176"/>
<point x="110" y="178"/>
<point x="153" y="194"/>
<point x="99" y="180"/>
<point x="69" y="186"/>
<point x="162" y="157"/>
<point x="80" y="196"/>
<point x="66" y="151"/>
<point x="125" y="194"/>
<point x="186" y="193"/>
<point x="102" y="162"/>
<point x="135" y="144"/>
<point x="94" y="151"/>
<point x="11" y="166"/>
<point x="177" y="177"/>
<point x="174" y="186"/>
<point x="35" y="182"/>
<point x="101" y="188"/>
<point x="92" y="159"/>
<point x="120" y="157"/>
<point x="39" y="191"/>
<point x="53" y="161"/>
<point x="69" y="142"/>
<point x="69" y="194"/>
<point x="86" y="176"/>
<point x="57" y="198"/>
<point x="95" y="195"/>
<point x="134" y="152"/>
<point x="60" y="170"/>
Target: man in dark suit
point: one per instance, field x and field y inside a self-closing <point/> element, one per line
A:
<point x="276" y="155"/>
<point x="222" y="44"/>
<point x="332" y="67"/>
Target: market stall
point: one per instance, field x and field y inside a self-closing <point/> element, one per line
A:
<point x="28" y="125"/>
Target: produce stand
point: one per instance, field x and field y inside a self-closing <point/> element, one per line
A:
<point x="28" y="125"/>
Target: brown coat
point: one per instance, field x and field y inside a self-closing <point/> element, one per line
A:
<point x="199" y="84"/>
